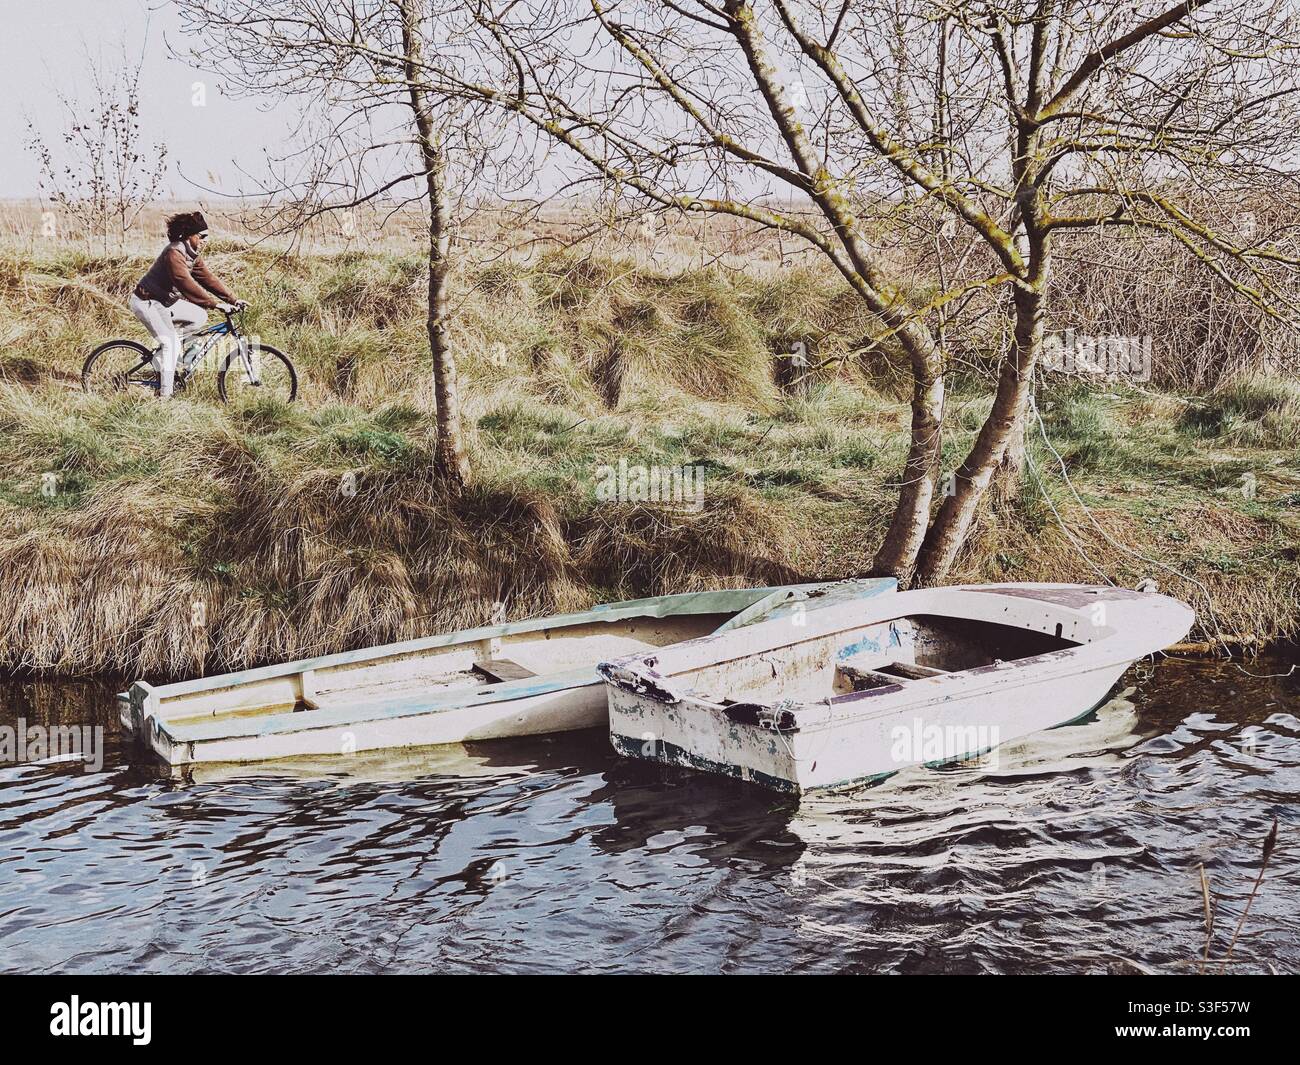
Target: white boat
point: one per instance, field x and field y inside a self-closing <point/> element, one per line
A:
<point x="866" y="688"/>
<point x="518" y="679"/>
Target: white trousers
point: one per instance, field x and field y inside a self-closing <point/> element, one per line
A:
<point x="168" y="325"/>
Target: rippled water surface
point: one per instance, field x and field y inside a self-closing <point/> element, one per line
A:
<point x="1078" y="849"/>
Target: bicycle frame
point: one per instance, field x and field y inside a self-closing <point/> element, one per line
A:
<point x="198" y="345"/>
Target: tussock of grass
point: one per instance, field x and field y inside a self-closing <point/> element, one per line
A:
<point x="1253" y="412"/>
<point x="191" y="537"/>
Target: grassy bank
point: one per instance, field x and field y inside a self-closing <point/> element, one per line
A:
<point x="166" y="540"/>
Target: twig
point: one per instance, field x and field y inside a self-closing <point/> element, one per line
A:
<point x="1209" y="917"/>
<point x="1269" y="842"/>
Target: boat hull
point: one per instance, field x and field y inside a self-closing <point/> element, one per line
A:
<point x="702" y="737"/>
<point x="581" y="706"/>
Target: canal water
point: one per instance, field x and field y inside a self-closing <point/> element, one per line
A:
<point x="1077" y="851"/>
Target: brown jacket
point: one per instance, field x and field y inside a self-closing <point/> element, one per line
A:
<point x="180" y="273"/>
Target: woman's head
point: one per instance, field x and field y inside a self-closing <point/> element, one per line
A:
<point x="187" y="226"/>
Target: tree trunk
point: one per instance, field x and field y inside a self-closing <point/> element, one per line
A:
<point x="948" y="532"/>
<point x="898" y="551"/>
<point x="859" y="265"/>
<point x="449" y="456"/>
<point x="449" y="461"/>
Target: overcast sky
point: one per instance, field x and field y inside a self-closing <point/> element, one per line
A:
<point x="43" y="44"/>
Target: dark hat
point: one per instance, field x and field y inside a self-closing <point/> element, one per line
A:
<point x="186" y="224"/>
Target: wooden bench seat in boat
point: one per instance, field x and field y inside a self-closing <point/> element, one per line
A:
<point x="498" y="670"/>
<point x="857" y="679"/>
<point x="911" y="671"/>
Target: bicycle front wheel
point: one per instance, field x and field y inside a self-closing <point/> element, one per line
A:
<point x="119" y="366"/>
<point x="257" y="371"/>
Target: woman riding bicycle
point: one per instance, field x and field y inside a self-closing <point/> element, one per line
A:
<point x="171" y="298"/>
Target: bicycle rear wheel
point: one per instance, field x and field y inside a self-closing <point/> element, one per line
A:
<point x="119" y="366"/>
<point x="271" y="376"/>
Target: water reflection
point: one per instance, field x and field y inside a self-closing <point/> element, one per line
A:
<point x="1069" y="852"/>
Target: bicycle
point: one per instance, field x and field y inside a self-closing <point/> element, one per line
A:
<point x="121" y="365"/>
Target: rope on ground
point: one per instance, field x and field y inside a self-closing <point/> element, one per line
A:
<point x="1266" y="676"/>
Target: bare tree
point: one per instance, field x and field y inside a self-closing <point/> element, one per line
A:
<point x="359" y="66"/>
<point x="98" y="168"/>
<point x="992" y="128"/>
